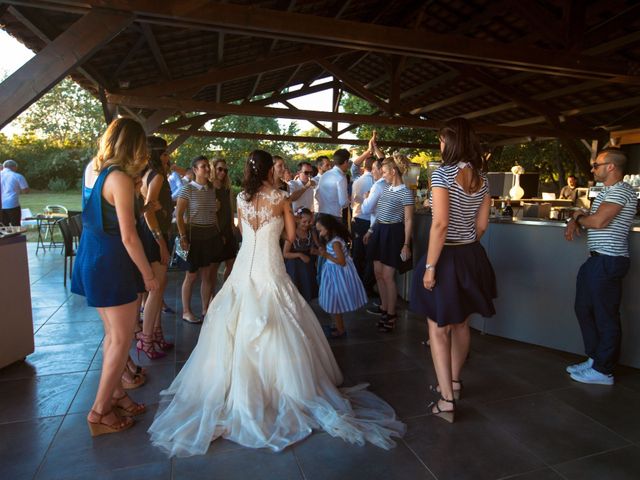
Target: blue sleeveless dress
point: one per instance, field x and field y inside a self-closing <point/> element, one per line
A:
<point x="104" y="273"/>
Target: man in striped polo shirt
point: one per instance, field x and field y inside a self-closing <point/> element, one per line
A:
<point x="599" y="283"/>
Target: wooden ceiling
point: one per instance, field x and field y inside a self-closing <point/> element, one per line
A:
<point x="517" y="69"/>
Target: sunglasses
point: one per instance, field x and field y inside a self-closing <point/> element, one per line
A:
<point x="596" y="165"/>
<point x="222" y="169"/>
<point x="307" y="172"/>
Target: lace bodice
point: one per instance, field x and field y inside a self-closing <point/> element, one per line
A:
<point x="262" y="208"/>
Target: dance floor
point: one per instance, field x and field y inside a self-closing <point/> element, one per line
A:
<point x="520" y="415"/>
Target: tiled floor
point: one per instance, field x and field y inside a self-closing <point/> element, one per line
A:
<point x="520" y="417"/>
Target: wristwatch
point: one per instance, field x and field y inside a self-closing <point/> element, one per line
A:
<point x="428" y="266"/>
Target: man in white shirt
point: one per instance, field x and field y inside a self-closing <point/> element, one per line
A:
<point x="331" y="193"/>
<point x="361" y="220"/>
<point x="12" y="185"/>
<point x="370" y="203"/>
<point x="176" y="180"/>
<point x="301" y="188"/>
<point x="323" y="164"/>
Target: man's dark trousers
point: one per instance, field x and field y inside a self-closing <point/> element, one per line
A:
<point x="597" y="306"/>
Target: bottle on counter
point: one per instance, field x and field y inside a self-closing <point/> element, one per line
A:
<point x="502" y="207"/>
<point x="507" y="211"/>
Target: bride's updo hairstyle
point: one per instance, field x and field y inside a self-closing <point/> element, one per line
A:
<point x="256" y="171"/>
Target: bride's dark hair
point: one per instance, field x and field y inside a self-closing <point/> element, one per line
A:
<point x="256" y="171"/>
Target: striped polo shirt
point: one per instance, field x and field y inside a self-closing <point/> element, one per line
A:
<point x="391" y="205"/>
<point x="202" y="204"/>
<point x="614" y="238"/>
<point x="463" y="206"/>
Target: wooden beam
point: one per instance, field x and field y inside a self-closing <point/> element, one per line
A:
<point x="294" y="138"/>
<point x="261" y="22"/>
<point x="155" y="50"/>
<point x="187" y="105"/>
<point x="450" y="100"/>
<point x="127" y="58"/>
<point x="540" y="20"/>
<point x="156" y="118"/>
<point x="184" y="136"/>
<point x="574" y="23"/>
<point x="109" y="111"/>
<point x="69" y="50"/>
<point x="221" y="75"/>
<point x="353" y="84"/>
<point x="318" y="125"/>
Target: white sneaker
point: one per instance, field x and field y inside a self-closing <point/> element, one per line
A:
<point x="589" y="375"/>
<point x="588" y="363"/>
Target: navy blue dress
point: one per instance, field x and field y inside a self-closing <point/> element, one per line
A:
<point x="303" y="275"/>
<point x="104" y="273"/>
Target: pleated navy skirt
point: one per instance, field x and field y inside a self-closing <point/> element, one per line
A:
<point x="465" y="284"/>
<point x="386" y="243"/>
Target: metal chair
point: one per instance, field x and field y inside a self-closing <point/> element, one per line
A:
<point x="75" y="223"/>
<point x="69" y="251"/>
<point x="53" y="214"/>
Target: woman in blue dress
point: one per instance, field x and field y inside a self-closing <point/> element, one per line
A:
<point x="341" y="289"/>
<point x="111" y="267"/>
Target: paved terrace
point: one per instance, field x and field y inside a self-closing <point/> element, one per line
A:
<point x="520" y="417"/>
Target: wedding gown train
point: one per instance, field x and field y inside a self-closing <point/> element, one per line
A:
<point x="262" y="373"/>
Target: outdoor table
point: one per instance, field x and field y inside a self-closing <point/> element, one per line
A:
<point x="45" y="224"/>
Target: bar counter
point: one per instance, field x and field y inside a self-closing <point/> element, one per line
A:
<point x="536" y="271"/>
<point x="16" y="323"/>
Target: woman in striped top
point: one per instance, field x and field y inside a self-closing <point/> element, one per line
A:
<point x="197" y="204"/>
<point x="389" y="245"/>
<point x="455" y="278"/>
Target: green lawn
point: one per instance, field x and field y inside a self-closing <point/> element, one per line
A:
<point x="37" y="200"/>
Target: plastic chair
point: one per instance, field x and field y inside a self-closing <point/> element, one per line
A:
<point x="69" y="251"/>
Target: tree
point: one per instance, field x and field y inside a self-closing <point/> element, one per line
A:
<point x="236" y="151"/>
<point x="66" y="116"/>
<point x="353" y="104"/>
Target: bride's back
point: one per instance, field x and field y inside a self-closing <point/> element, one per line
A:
<point x="261" y="221"/>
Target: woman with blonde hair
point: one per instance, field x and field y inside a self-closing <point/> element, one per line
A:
<point x="226" y="244"/>
<point x="389" y="244"/>
<point x="111" y="268"/>
<point x="455" y="278"/>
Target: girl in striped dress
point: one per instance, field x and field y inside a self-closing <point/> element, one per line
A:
<point x="341" y="289"/>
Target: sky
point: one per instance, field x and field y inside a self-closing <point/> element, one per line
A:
<point x="14" y="55"/>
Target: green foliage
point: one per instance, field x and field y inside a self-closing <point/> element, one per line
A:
<point x="354" y="104"/>
<point x="236" y="151"/>
<point x="66" y="116"/>
<point x="58" y="185"/>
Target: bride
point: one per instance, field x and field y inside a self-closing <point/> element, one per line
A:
<point x="262" y="373"/>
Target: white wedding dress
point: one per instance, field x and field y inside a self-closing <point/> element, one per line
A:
<point x="262" y="373"/>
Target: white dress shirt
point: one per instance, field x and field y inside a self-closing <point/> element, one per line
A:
<point x="371" y="202"/>
<point x="12" y="184"/>
<point x="306" y="200"/>
<point x="361" y="186"/>
<point x="331" y="193"/>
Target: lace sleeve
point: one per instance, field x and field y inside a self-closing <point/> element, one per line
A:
<point x="262" y="208"/>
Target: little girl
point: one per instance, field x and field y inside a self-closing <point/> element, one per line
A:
<point x="299" y="257"/>
<point x="340" y="287"/>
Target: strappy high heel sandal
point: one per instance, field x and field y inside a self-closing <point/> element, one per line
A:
<point x="101" y="428"/>
<point x="456" y="393"/>
<point x="126" y="407"/>
<point x="446" y="415"/>
<point x="158" y="339"/>
<point x="145" y="345"/>
<point x="388" y="324"/>
<point x="135" y="369"/>
<point x="133" y="382"/>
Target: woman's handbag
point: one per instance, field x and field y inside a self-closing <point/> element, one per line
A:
<point x="181" y="252"/>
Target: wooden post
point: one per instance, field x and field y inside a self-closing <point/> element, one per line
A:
<point x="56" y="60"/>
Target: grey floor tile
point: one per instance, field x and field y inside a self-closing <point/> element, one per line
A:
<point x="622" y="464"/>
<point x="406" y="390"/>
<point x="75" y="454"/>
<point x="323" y="457"/>
<point x="542" y="474"/>
<point x="550" y="428"/>
<point x="472" y="448"/>
<point x="37" y="397"/>
<point x="89" y="333"/>
<point x="239" y="464"/>
<point x="23" y="446"/>
<point x="375" y="357"/>
<point x="68" y="313"/>
<point x="41" y="314"/>
<point x="55" y="359"/>
<point x="616" y="408"/>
